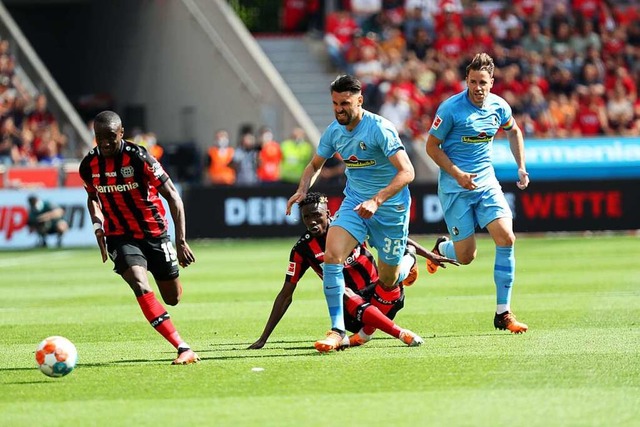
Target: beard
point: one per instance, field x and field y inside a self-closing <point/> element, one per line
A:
<point x="343" y="118"/>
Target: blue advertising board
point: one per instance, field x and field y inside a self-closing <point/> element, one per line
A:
<point x="571" y="159"/>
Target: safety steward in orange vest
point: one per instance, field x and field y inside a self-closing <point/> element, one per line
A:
<point x="221" y="170"/>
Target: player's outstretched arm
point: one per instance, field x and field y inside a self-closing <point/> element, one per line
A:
<point x="516" y="144"/>
<point x="170" y="193"/>
<point x="308" y="177"/>
<point x="436" y="259"/>
<point x="280" y="305"/>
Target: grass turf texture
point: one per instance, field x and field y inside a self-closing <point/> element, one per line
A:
<point x="577" y="365"/>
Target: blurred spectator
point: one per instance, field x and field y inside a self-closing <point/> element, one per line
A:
<point x="619" y="110"/>
<point x="417" y="18"/>
<point x="48" y="141"/>
<point x="534" y="40"/>
<point x="448" y="11"/>
<point x="364" y="10"/>
<point x="449" y="44"/>
<point x="294" y="16"/>
<point x="220" y="156"/>
<point x="478" y="39"/>
<point x="583" y="37"/>
<point x="420" y="44"/>
<point x="448" y="84"/>
<point x="589" y="9"/>
<point x="269" y="157"/>
<point x="369" y="71"/>
<point x="528" y="10"/>
<point x="561" y="41"/>
<point x="10" y="143"/>
<point x="339" y="30"/>
<point x="591" y="118"/>
<point x="502" y="21"/>
<point x="589" y="79"/>
<point x="47" y="147"/>
<point x="46" y="218"/>
<point x="245" y="159"/>
<point x="474" y="16"/>
<point x="149" y="141"/>
<point x="561" y="81"/>
<point x="559" y="16"/>
<point x="536" y="107"/>
<point x="397" y="110"/>
<point x="563" y="111"/>
<point x="296" y="153"/>
<point x="427" y="9"/>
<point x="39" y="117"/>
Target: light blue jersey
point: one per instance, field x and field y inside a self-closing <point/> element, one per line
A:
<point x="467" y="133"/>
<point x="365" y="151"/>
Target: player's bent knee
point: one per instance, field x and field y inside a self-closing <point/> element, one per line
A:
<point x="466" y="259"/>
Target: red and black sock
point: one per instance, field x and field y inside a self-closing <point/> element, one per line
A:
<point x="385" y="299"/>
<point x="371" y="317"/>
<point x="159" y="318"/>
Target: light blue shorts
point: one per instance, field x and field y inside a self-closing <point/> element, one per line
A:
<point x="386" y="231"/>
<point x="465" y="211"/>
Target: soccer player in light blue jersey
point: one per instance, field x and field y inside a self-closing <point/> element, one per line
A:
<point x="376" y="204"/>
<point x="459" y="142"/>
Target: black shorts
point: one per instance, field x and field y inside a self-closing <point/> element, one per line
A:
<point x="156" y="254"/>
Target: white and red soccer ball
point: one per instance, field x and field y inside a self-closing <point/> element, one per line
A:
<point x="56" y="356"/>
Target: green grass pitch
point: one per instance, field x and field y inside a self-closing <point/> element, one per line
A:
<point x="579" y="364"/>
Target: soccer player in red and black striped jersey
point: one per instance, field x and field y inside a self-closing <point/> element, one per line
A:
<point x="123" y="181"/>
<point x="368" y="307"/>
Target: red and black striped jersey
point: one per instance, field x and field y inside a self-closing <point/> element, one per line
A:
<point x="127" y="187"/>
<point x="360" y="268"/>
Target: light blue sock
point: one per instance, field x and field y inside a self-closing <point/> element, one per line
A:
<point x="333" y="285"/>
<point x="504" y="272"/>
<point x="447" y="250"/>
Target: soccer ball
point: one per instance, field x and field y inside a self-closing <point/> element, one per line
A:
<point x="56" y="356"/>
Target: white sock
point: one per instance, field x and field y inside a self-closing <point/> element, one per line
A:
<point x="363" y="335"/>
<point x="501" y="308"/>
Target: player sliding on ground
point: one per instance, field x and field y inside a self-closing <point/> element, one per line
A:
<point x="367" y="309"/>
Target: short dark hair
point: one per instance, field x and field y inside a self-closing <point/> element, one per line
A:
<point x="107" y="119"/>
<point x="313" y="198"/>
<point x="481" y="62"/>
<point x="346" y="83"/>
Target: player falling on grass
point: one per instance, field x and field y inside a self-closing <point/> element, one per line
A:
<point x="122" y="181"/>
<point x="360" y="273"/>
<point x="376" y="203"/>
<point x="460" y="141"/>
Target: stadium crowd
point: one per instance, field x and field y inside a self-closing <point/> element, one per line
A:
<point x="29" y="133"/>
<point x="569" y="68"/>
